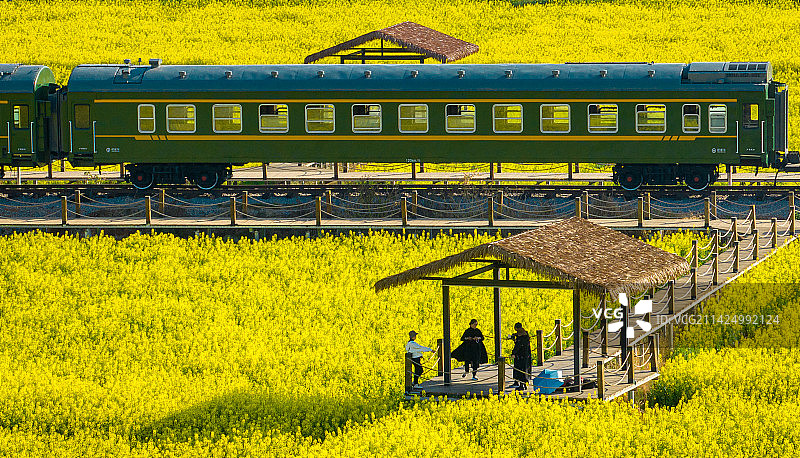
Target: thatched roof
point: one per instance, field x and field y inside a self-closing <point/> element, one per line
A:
<point x="574" y="252"/>
<point x="412" y="36"/>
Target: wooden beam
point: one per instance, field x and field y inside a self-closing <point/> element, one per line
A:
<point x="487" y="283"/>
<point x="477" y="271"/>
<point x="446" y="333"/>
<point x="576" y="335"/>
<point x="498" y="331"/>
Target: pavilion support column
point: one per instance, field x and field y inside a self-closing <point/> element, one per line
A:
<point x="498" y="332"/>
<point x="446" y="333"/>
<point x="576" y="328"/>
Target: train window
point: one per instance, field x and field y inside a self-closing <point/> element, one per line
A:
<point x="555" y="118"/>
<point x="319" y="118"/>
<point x="460" y="118"/>
<point x="507" y="118"/>
<point x="651" y="118"/>
<point x="366" y="118"/>
<point x="21" y="117"/>
<point x="413" y="118"/>
<point x="717" y="118"/>
<point x="227" y="118"/>
<point x="691" y="118"/>
<point x="750" y="115"/>
<point x="273" y="118"/>
<point x="181" y="118"/>
<point x="147" y="119"/>
<point x="602" y="118"/>
<point x="82" y="118"/>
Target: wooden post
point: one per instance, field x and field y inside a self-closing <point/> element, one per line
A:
<point x="734" y="229"/>
<point x="78" y="203"/>
<point x="335" y="170"/>
<point x="409" y="369"/>
<point x="693" y="271"/>
<point x="499" y="167"/>
<point x="576" y="330"/>
<point x="585" y="204"/>
<point x="756" y="248"/>
<point x="753" y="229"/>
<point x="715" y="269"/>
<point x="578" y="207"/>
<point x="623" y="334"/>
<point x="264" y="171"/>
<point x="577" y="167"/>
<point x="404" y="211"/>
<point x="121" y="170"/>
<point x="439" y="357"/>
<point x="601" y="381"/>
<point x="585" y="338"/>
<point x="414" y="202"/>
<point x="329" y="201"/>
<point x="491" y="210"/>
<point x="695" y="256"/>
<point x="630" y="365"/>
<point x="671" y="301"/>
<point x="728" y="169"/>
<point x="640" y="211"/>
<point x="707" y="212"/>
<point x="655" y="352"/>
<point x="491" y="171"/>
<point x="498" y="330"/>
<point x="64" y="210"/>
<point x="791" y="198"/>
<point x="318" y="210"/>
<point x="774" y="230"/>
<point x="62" y="165"/>
<point x="148" y="211"/>
<point x="161" y="201"/>
<point x="736" y="256"/>
<point x="715" y="241"/>
<point x="603" y="327"/>
<point x="245" y="201"/>
<point x="647" y="206"/>
<point x="539" y="347"/>
<point x="446" y="334"/>
<point x="714" y="204"/>
<point x="413" y="170"/>
<point x="50" y="170"/>
<point x="501" y="375"/>
<point x="421" y="167"/>
<point x="569" y="171"/>
<point x="791" y="220"/>
<point x="652" y="349"/>
<point x="233" y="211"/>
<point x="500" y="201"/>
<point x="559" y="338"/>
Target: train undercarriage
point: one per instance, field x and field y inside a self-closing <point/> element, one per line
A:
<point x="696" y="176"/>
<point x="204" y="176"/>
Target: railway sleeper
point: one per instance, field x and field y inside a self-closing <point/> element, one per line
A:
<point x="204" y="176"/>
<point x="697" y="177"/>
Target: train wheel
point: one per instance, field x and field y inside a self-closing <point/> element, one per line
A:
<point x="630" y="178"/>
<point x="697" y="179"/>
<point x="206" y="180"/>
<point x="142" y="179"/>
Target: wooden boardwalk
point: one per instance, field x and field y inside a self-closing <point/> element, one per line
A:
<point x="616" y="380"/>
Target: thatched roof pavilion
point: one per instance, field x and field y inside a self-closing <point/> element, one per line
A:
<point x="574" y="252"/>
<point x="571" y="254"/>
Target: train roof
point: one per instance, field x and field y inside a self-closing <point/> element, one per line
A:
<point x="420" y="77"/>
<point x="20" y="78"/>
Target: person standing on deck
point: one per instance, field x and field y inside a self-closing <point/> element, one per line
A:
<point x="522" y="356"/>
<point x="472" y="350"/>
<point x="416" y="351"/>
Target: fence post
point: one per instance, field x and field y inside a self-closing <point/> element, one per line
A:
<point x="736" y="256"/>
<point x="603" y="327"/>
<point x="539" y="347"/>
<point x="756" y="242"/>
<point x="791" y="198"/>
<point x="651" y="341"/>
<point x="335" y="170"/>
<point x="161" y="201"/>
<point x="734" y="229"/>
<point x="578" y="207"/>
<point x="695" y="259"/>
<point x="753" y="220"/>
<point x="601" y="381"/>
<point x="64" y="210"/>
<point x="585" y="336"/>
<point x="329" y="201"/>
<point x="440" y="357"/>
<point x="715" y="269"/>
<point x="50" y="170"/>
<point x="318" y="210"/>
<point x="500" y="200"/>
<point x="585" y="204"/>
<point x="640" y="211"/>
<point x="245" y="201"/>
<point x="791" y="220"/>
<point x="715" y="241"/>
<point x="630" y="364"/>
<point x="414" y="202"/>
<point x="647" y="206"/>
<point x="774" y="230"/>
<point x="421" y="167"/>
<point x="491" y="171"/>
<point x="408" y="369"/>
<point x="491" y="210"/>
<point x="264" y="171"/>
<point x="707" y="212"/>
<point x="714" y="204"/>
<point x="148" y="211"/>
<point x="233" y="211"/>
<point x="671" y="301"/>
<point x="404" y="211"/>
<point x="569" y="171"/>
<point x="693" y="271"/>
<point x="499" y="167"/>
<point x="501" y="374"/>
<point x="559" y="338"/>
<point x="78" y="203"/>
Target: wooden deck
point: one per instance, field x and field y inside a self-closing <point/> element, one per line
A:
<point x="616" y="383"/>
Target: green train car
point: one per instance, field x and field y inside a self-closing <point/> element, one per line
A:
<point x="26" y="115"/>
<point x="658" y="123"/>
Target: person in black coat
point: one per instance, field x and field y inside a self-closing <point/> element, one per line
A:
<point x="522" y="356"/>
<point x="472" y="350"/>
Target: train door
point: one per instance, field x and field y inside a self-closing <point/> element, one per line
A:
<point x="82" y="130"/>
<point x="751" y="133"/>
<point x="19" y="130"/>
